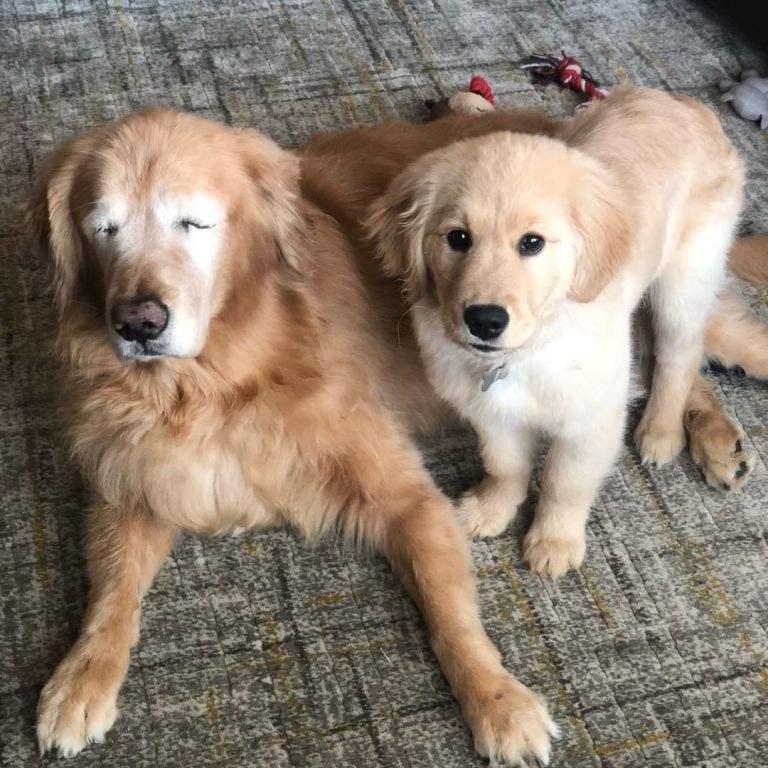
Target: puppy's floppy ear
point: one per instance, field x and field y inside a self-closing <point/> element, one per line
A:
<point x="397" y="221"/>
<point x="276" y="173"/>
<point x="603" y="229"/>
<point x="48" y="219"/>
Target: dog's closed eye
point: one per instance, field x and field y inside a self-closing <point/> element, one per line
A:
<point x="188" y="223"/>
<point x="107" y="230"/>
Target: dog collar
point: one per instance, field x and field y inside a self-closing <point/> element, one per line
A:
<point x="493" y="374"/>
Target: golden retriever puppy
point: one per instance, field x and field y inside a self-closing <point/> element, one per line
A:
<point x="524" y="258"/>
<point x="223" y="369"/>
<point x="344" y="173"/>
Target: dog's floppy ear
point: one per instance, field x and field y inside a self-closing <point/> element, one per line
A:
<point x="48" y="219"/>
<point x="603" y="230"/>
<point x="276" y="173"/>
<point x="396" y="223"/>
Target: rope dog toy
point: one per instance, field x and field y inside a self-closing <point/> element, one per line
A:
<point x="565" y="71"/>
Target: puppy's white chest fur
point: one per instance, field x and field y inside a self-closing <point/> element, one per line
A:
<point x="574" y="369"/>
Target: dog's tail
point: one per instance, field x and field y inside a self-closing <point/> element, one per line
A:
<point x="748" y="259"/>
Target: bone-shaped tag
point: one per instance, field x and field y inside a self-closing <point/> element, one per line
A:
<point x="494" y="374"/>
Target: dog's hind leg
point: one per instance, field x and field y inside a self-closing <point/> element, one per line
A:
<point x="735" y="337"/>
<point x="681" y="299"/>
<point x="715" y="444"/>
<point x="748" y="259"/>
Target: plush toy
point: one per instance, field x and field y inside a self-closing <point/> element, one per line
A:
<point x="749" y="98"/>
<point x="565" y="71"/>
<point x="477" y="98"/>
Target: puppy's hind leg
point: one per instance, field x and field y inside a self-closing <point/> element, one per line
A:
<point x="681" y="299"/>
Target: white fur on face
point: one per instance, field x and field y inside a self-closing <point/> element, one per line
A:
<point x="147" y="236"/>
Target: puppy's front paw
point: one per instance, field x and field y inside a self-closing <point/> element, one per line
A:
<point x="511" y="724"/>
<point x="481" y="519"/>
<point x="552" y="556"/>
<point x="79" y="703"/>
<point x="488" y="508"/>
<point x="658" y="443"/>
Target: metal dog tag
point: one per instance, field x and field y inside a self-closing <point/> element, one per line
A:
<point x="494" y="374"/>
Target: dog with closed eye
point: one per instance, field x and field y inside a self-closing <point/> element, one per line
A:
<point x="524" y="258"/>
<point x="224" y="368"/>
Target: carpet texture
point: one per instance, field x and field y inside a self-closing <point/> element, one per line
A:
<point x="257" y="651"/>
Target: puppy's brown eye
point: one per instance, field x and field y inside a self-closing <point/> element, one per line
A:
<point x="530" y="245"/>
<point x="459" y="240"/>
<point x="108" y="230"/>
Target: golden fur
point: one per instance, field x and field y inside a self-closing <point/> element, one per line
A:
<point x="345" y="173"/>
<point x="636" y="196"/>
<point x="295" y="409"/>
<point x="280" y="417"/>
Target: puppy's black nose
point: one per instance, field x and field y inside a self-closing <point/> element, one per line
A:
<point x="140" y="318"/>
<point x="486" y="321"/>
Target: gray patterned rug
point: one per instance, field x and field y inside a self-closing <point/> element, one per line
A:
<point x="257" y="651"/>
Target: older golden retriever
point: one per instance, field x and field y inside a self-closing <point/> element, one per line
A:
<point x="233" y="356"/>
<point x="223" y="368"/>
<point x="524" y="258"/>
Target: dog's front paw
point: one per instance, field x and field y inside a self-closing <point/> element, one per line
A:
<point x="488" y="508"/>
<point x="511" y="724"/>
<point x="552" y="556"/>
<point x="79" y="703"/>
<point x="658" y="443"/>
<point x="717" y="450"/>
<point x="481" y="519"/>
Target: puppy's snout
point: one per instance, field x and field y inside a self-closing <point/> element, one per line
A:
<point x="140" y="318"/>
<point x="486" y="321"/>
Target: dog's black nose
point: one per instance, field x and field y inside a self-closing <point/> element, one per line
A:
<point x="140" y="318"/>
<point x="486" y="321"/>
